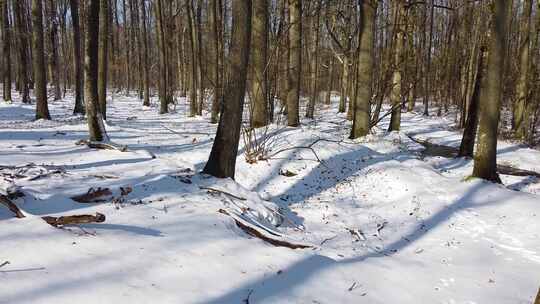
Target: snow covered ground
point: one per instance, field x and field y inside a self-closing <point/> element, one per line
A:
<point x="387" y="225"/>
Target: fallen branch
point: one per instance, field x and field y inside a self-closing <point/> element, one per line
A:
<point x="74" y="219"/>
<point x="4" y="200"/>
<point x="509" y="170"/>
<point x="224" y="192"/>
<point x="256" y="232"/>
<point x="186" y="133"/>
<point x="4" y="264"/>
<point x="101" y="145"/>
<point x="55" y="221"/>
<point x="448" y="150"/>
<point x="93" y="196"/>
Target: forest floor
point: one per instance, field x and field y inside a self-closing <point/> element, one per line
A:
<point x="386" y="223"/>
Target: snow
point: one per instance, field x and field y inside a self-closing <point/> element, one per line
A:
<point x="386" y="225"/>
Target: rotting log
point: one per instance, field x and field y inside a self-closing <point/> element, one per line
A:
<point x="55" y="221"/>
<point x="93" y="196"/>
<point x="74" y="219"/>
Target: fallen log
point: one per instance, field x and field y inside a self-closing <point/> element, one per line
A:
<point x="432" y="149"/>
<point x="509" y="170"/>
<point x="74" y="219"/>
<point x="101" y="145"/>
<point x="4" y="200"/>
<point x="261" y="234"/>
<point x="52" y="220"/>
<point x="93" y="196"/>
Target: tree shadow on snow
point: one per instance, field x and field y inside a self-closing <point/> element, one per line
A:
<point x="298" y="273"/>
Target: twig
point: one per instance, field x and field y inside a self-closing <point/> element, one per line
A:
<point x="4" y="264"/>
<point x="223" y="192"/>
<point x="328" y="239"/>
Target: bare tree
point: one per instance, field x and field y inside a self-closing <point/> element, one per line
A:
<point x="259" y="83"/>
<point x="6" y="48"/>
<point x="38" y="65"/>
<point x="222" y="160"/>
<point x="485" y="161"/>
<point x="103" y="56"/>
<point x="361" y="117"/>
<point x="96" y="126"/>
<point x="295" y="62"/>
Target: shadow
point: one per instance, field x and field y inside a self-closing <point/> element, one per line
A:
<point x="519" y="186"/>
<point x="127" y="228"/>
<point x="309" y="267"/>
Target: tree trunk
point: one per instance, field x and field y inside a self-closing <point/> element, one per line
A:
<point x="222" y="159"/>
<point x="521" y="119"/>
<point x="218" y="46"/>
<point x="103" y="56"/>
<point x="396" y="92"/>
<point x="21" y="28"/>
<point x="259" y="83"/>
<point x="162" y="50"/>
<point x="310" y="112"/>
<point x="6" y="47"/>
<point x="96" y="127"/>
<point x="38" y="64"/>
<point x="485" y="161"/>
<point x="466" y="148"/>
<point x="146" y="72"/>
<point x="54" y="62"/>
<point x="361" y="117"/>
<point x="79" y="107"/>
<point x="344" y="78"/>
<point x="193" y="63"/>
<point x="295" y="62"/>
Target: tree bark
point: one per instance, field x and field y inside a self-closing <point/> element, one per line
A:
<point x="54" y="60"/>
<point x="295" y="62"/>
<point x="222" y="160"/>
<point x="466" y="148"/>
<point x="95" y="121"/>
<point x="22" y="33"/>
<point x="38" y="64"/>
<point x="103" y="56"/>
<point x="521" y="118"/>
<point x="396" y="94"/>
<point x="259" y="83"/>
<point x="6" y="47"/>
<point x="361" y="112"/>
<point x="485" y="161"/>
<point x="77" y="62"/>
<point x="146" y="71"/>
